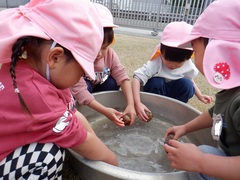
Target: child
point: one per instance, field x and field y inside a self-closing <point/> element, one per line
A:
<point x="110" y="75"/>
<point x="215" y="39"/>
<point x="44" y="52"/>
<point x="169" y="72"/>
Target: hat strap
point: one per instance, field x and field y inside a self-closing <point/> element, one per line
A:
<point x="54" y="43"/>
<point x="47" y="66"/>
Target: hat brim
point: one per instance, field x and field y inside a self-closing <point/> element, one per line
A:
<point x="110" y="25"/>
<point x="88" y="66"/>
<point x="187" y="42"/>
<point x="176" y="45"/>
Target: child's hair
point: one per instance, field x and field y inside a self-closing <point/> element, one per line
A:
<point x="205" y="41"/>
<point x="175" y="54"/>
<point x="31" y="46"/>
<point x="108" y="35"/>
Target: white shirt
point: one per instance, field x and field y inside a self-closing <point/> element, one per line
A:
<point x="156" y="68"/>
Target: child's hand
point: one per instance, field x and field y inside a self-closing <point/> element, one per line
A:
<point x="130" y="110"/>
<point x="183" y="156"/>
<point x="141" y="112"/>
<point x="206" y="99"/>
<point x="168" y="138"/>
<point x="115" y="116"/>
<point x="176" y="131"/>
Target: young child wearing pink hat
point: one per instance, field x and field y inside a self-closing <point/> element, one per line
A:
<point x="170" y="71"/>
<point x="110" y="75"/>
<point x="215" y="39"/>
<point x="44" y="50"/>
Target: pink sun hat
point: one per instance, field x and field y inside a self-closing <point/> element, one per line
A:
<point x="105" y="15"/>
<point x="74" y="24"/>
<point x="173" y="34"/>
<point x="220" y="23"/>
<point x="215" y="24"/>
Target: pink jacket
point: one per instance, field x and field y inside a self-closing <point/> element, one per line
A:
<point x="110" y="62"/>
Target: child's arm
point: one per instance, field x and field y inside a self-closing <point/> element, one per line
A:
<point x="200" y="122"/>
<point x="88" y="148"/>
<point x="204" y="98"/>
<point x="127" y="91"/>
<point x="84" y="97"/>
<point x="80" y="92"/>
<point x="187" y="157"/>
<point x="139" y="107"/>
<point x="94" y="149"/>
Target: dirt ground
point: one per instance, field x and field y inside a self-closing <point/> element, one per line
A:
<point x="133" y="52"/>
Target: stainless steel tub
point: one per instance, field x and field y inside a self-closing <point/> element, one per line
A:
<point x="160" y="106"/>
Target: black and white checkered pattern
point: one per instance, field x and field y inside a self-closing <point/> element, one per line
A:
<point x="34" y="161"/>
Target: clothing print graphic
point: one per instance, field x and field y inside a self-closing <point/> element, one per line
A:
<point x="62" y="122"/>
<point x="101" y="77"/>
<point x="1" y="86"/>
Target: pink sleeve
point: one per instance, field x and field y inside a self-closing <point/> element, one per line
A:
<point x="117" y="69"/>
<point x="81" y="93"/>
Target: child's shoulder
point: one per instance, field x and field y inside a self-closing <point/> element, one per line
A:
<point x="156" y="60"/>
<point x="111" y="52"/>
<point x="189" y="62"/>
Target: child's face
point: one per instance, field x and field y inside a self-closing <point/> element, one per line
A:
<point x="66" y="74"/>
<point x="64" y="70"/>
<point x="171" y="64"/>
<point x="199" y="49"/>
<point x="102" y="52"/>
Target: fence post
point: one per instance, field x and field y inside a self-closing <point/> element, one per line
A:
<point x="187" y="8"/>
<point x="155" y="29"/>
<point x="110" y="6"/>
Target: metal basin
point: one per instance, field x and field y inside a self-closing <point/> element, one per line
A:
<point x="161" y="107"/>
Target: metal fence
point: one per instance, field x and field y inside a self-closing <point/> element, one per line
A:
<point x="145" y="14"/>
<point x="12" y="3"/>
<point x="154" y="14"/>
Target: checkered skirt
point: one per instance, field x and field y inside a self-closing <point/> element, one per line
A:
<point x="33" y="161"/>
